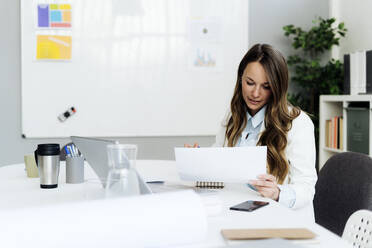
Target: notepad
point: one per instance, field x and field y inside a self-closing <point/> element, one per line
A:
<point x="286" y="233"/>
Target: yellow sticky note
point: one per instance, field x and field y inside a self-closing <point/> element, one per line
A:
<point x="64" y="6"/>
<point x="66" y="16"/>
<point x="55" y="47"/>
<point x="53" y="6"/>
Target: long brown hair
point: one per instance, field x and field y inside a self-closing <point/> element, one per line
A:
<point x="278" y="118"/>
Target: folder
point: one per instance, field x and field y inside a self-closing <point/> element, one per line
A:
<point x="286" y="233"/>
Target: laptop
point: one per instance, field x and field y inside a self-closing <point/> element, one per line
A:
<point x="94" y="152"/>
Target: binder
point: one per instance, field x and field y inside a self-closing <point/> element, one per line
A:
<point x="347" y="74"/>
<point x="358" y="129"/>
<point x="358" y="73"/>
<point x="341" y="133"/>
<point x="369" y="71"/>
<point x="362" y="72"/>
<point x="354" y="73"/>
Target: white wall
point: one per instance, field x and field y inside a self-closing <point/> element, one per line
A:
<point x="267" y="18"/>
<point x="356" y="15"/>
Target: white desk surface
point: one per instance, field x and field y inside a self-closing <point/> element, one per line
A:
<point x="19" y="191"/>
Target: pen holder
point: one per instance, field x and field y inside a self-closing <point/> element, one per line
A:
<point x="75" y="169"/>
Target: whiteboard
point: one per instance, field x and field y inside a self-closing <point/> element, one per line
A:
<point x="136" y="68"/>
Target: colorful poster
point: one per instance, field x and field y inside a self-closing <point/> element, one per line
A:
<point x="204" y="58"/>
<point x="54" y="15"/>
<point x="53" y="47"/>
<point x="205" y="39"/>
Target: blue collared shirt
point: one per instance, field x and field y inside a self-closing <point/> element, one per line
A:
<point x="251" y="131"/>
<point x="250" y="137"/>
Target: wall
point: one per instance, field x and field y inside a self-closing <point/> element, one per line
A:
<point x="356" y="15"/>
<point x="266" y="20"/>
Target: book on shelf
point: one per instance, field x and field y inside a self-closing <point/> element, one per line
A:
<point x="335" y="128"/>
<point x="334" y="133"/>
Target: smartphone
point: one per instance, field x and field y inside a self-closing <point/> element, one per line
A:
<point x="249" y="205"/>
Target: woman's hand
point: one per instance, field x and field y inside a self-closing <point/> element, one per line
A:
<point x="267" y="186"/>
<point x="196" y="145"/>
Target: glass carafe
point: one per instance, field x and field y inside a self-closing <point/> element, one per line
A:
<point x="122" y="178"/>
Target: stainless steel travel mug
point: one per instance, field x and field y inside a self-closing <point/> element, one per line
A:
<point x="47" y="160"/>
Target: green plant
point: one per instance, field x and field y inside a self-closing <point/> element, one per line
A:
<point x="313" y="73"/>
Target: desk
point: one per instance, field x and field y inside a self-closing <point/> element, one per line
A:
<point x="18" y="191"/>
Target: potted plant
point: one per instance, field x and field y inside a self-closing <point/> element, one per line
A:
<point x="314" y="73"/>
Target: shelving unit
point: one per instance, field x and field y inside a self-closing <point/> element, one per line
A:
<point x="334" y="105"/>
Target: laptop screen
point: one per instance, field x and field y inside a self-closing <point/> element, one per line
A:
<point x="94" y="151"/>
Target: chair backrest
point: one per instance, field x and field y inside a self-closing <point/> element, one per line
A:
<point x="358" y="229"/>
<point x="344" y="186"/>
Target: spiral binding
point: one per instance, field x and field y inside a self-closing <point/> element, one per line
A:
<point x="212" y="185"/>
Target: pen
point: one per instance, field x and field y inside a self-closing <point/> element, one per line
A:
<point x="67" y="151"/>
<point x="75" y="150"/>
<point x="251" y="186"/>
<point x="71" y="152"/>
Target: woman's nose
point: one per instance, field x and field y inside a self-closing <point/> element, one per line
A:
<point x="256" y="91"/>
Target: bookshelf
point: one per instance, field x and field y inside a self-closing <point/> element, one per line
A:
<point x="335" y="105"/>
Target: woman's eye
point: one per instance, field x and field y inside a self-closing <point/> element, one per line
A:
<point x="250" y="83"/>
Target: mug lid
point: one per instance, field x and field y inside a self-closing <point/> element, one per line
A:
<point x="48" y="149"/>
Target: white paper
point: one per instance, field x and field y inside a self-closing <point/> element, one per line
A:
<point x="157" y="220"/>
<point x="221" y="164"/>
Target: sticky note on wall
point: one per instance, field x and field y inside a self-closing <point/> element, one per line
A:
<point x="43" y="15"/>
<point x="54" y="15"/>
<point x="53" y="47"/>
<point x="66" y="16"/>
<point x="64" y="6"/>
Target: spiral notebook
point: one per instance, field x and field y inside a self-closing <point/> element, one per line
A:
<point x="211" y="167"/>
<point x="210" y="185"/>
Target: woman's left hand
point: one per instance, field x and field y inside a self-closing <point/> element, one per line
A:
<point x="267" y="186"/>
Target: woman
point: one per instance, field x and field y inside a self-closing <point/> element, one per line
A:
<point x="261" y="115"/>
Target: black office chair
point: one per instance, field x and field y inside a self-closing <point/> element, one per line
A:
<point x="344" y="186"/>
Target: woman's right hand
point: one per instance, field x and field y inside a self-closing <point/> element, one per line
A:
<point x="196" y="145"/>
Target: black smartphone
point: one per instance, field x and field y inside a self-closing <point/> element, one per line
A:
<point x="249" y="205"/>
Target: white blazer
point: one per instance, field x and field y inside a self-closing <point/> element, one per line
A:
<point x="300" y="152"/>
